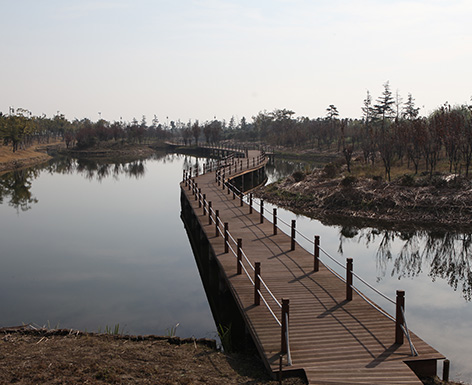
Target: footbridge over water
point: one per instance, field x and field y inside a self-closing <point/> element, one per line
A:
<point x="300" y="313"/>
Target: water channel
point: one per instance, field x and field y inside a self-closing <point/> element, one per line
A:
<point x="89" y="246"/>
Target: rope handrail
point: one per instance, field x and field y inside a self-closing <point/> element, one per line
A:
<point x="268" y="307"/>
<point x="405" y="330"/>
<point x="373" y="288"/>
<point x="373" y="304"/>
<point x="268" y="290"/>
<point x="247" y="274"/>
<point x="289" y="355"/>
<point x="332" y="258"/>
<point x="247" y="259"/>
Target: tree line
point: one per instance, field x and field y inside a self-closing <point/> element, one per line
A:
<point x="20" y="129"/>
<point x="389" y="131"/>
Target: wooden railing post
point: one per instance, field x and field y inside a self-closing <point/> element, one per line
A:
<point x="262" y="212"/>
<point x="199" y="197"/>
<point x="247" y="162"/>
<point x="250" y="203"/>
<point x="285" y="315"/>
<point x="209" y="213"/>
<point x="316" y="263"/>
<point x="446" y="365"/>
<point x="217" y="218"/>
<point x="274" y="214"/>
<point x="241" y="199"/>
<point x="234" y="192"/>
<point x="226" y="237"/>
<point x="204" y="204"/>
<point x="292" y="237"/>
<point x="349" y="279"/>
<point x="399" y="317"/>
<point x="257" y="283"/>
<point x="240" y="245"/>
<point x="223" y="180"/>
<point x="228" y="187"/>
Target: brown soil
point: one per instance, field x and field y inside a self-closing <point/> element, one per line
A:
<point x="67" y="357"/>
<point x="371" y="202"/>
<point x="31" y="156"/>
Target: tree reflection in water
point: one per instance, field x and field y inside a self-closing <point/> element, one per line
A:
<point x="16" y="186"/>
<point x="440" y="254"/>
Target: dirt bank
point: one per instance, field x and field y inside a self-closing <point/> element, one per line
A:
<point x="444" y="203"/>
<point x="31" y="156"/>
<point x="67" y="357"/>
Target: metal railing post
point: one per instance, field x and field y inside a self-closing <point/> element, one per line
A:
<point x="240" y="245"/>
<point x="399" y="321"/>
<point x="257" y="283"/>
<point x="292" y="237"/>
<point x="316" y="262"/>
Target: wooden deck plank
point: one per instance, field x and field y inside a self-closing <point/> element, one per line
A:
<point x="334" y="340"/>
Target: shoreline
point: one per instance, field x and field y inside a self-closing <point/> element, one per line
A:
<point x="363" y="202"/>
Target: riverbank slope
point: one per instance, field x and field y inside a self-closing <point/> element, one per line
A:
<point x="441" y="203"/>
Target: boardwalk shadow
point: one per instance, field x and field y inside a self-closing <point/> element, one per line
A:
<point x="385" y="355"/>
<point x="333" y="309"/>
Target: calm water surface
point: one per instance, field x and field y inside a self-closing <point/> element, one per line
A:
<point x="100" y="246"/>
<point x="87" y="246"/>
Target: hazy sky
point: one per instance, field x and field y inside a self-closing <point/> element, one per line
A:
<point x="196" y="59"/>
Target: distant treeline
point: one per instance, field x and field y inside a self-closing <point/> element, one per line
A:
<point x="389" y="130"/>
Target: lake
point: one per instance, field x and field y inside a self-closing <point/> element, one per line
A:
<point x="88" y="246"/>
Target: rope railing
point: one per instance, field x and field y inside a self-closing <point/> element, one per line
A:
<point x="229" y="240"/>
<point x="220" y="176"/>
<point x="334" y="260"/>
<point x="404" y="327"/>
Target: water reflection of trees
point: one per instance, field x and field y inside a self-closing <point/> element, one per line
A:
<point x="444" y="255"/>
<point x="97" y="170"/>
<point x="16" y="187"/>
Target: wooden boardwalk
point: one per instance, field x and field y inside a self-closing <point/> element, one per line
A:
<point x="333" y="340"/>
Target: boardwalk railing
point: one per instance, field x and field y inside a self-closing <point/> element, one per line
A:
<point x="243" y="264"/>
<point x="401" y="327"/>
<point x="226" y="165"/>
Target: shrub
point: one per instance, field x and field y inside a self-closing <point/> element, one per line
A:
<point x="298" y="176"/>
<point x="330" y="171"/>
<point x="348" y="181"/>
<point x="407" y="180"/>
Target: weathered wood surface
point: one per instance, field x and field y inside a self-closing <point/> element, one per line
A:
<point x="335" y="341"/>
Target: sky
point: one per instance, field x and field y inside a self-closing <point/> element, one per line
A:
<point x="201" y="59"/>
